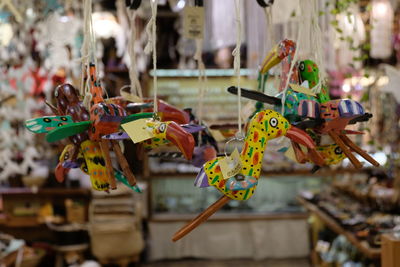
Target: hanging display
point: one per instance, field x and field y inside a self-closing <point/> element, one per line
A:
<point x="308" y="110"/>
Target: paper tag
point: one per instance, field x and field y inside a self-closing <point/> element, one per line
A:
<point x="193" y="22"/>
<point x="322" y="246"/>
<point x="131" y="97"/>
<point x="290" y="154"/>
<point x="231" y="165"/>
<point x="302" y="89"/>
<point x="138" y="130"/>
<point x="217" y="135"/>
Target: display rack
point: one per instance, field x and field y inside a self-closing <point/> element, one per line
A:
<point x="12" y="197"/>
<point x="362" y="246"/>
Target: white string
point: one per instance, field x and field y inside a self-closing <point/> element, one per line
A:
<point x="136" y="87"/>
<point x="316" y="41"/>
<point x="85" y="44"/>
<point x="271" y="33"/>
<point x="202" y="80"/>
<point x="236" y="62"/>
<point x="88" y="52"/>
<point x="151" y="46"/>
<point x="292" y="66"/>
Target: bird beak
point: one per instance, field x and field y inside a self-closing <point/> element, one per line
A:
<point x="60" y="172"/>
<point x="168" y="112"/>
<point x="301" y="137"/>
<point x="181" y="139"/>
<point x="271" y="60"/>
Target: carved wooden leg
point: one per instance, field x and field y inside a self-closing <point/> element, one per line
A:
<point x="123" y="163"/>
<point x="202" y="217"/>
<point x="345" y="149"/>
<point x="358" y="150"/>
<point x="316" y="157"/>
<point x="105" y="150"/>
<point x="300" y="155"/>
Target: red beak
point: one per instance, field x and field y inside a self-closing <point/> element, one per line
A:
<point x="181" y="139"/>
<point x="60" y="172"/>
<point x="301" y="137"/>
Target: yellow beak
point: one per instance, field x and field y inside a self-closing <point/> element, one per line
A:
<point x="271" y="60"/>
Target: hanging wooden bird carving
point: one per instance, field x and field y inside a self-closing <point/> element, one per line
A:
<point x="264" y="126"/>
<point x="94" y="133"/>
<point x="305" y="109"/>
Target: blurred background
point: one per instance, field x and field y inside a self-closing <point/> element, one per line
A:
<point x="337" y="216"/>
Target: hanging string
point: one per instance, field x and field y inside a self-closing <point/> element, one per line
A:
<point x="316" y="41"/>
<point x="236" y="62"/>
<point x="292" y="65"/>
<point x="151" y="46"/>
<point x="270" y="26"/>
<point x="202" y="80"/>
<point x="88" y="52"/>
<point x="136" y="87"/>
<point x="270" y="38"/>
<point x="85" y="44"/>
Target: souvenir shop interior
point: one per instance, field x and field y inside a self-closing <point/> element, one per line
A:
<point x="199" y="133"/>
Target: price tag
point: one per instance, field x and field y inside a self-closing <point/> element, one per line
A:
<point x="217" y="135"/>
<point x="193" y="22"/>
<point x="302" y="89"/>
<point x="131" y="97"/>
<point x="290" y="154"/>
<point x="138" y="130"/>
<point x="231" y="165"/>
<point x="322" y="246"/>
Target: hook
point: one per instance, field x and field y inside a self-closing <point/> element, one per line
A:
<point x="265" y="3"/>
<point x="198" y="3"/>
<point x="237" y="137"/>
<point x="133" y="4"/>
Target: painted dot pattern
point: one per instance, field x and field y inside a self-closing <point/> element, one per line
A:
<point x="260" y="131"/>
<point x="95" y="165"/>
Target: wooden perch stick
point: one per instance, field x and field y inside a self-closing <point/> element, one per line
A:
<point x="105" y="150"/>
<point x="123" y="163"/>
<point x="202" y="217"/>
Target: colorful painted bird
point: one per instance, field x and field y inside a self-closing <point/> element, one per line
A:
<point x="264" y="126"/>
<point x="305" y="109"/>
<point x="94" y="133"/>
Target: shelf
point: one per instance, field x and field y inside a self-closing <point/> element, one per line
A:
<point x="21" y="222"/>
<point x="362" y="246"/>
<point x="46" y="191"/>
<point x="220" y="217"/>
<point x="348" y="189"/>
<point x="267" y="174"/>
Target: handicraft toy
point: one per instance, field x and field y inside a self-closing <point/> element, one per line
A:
<point x="309" y="110"/>
<point x="93" y="134"/>
<point x="264" y="126"/>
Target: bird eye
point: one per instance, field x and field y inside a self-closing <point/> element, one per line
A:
<point x="338" y="151"/>
<point x="302" y="66"/>
<point x="273" y="122"/>
<point x="162" y="127"/>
